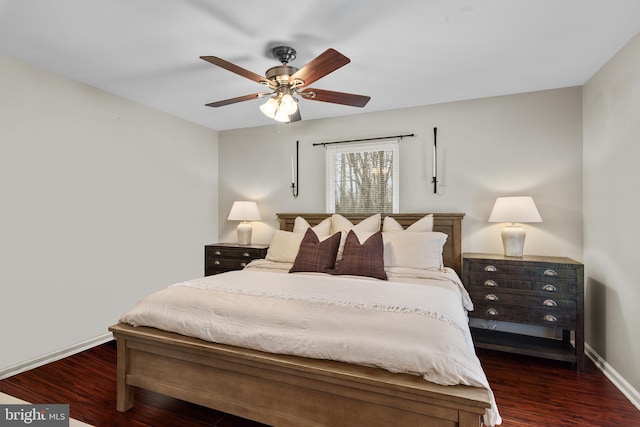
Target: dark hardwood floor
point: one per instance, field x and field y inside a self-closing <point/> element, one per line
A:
<point x="529" y="392"/>
<point x="539" y="392"/>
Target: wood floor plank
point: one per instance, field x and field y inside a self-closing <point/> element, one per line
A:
<point x="529" y="392"/>
<point x="540" y="392"/>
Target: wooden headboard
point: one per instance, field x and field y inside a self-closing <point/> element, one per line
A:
<point x="448" y="223"/>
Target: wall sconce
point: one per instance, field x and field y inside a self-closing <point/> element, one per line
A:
<point x="434" y="165"/>
<point x="244" y="211"/>
<point x="295" y="188"/>
<point x="514" y="210"/>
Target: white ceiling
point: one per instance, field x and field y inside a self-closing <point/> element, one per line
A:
<point x="403" y="52"/>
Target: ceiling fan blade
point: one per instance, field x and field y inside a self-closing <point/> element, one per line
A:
<point x="235" y="100"/>
<point x="295" y="117"/>
<point x="234" y="68"/>
<point x="335" y="97"/>
<point x="323" y="64"/>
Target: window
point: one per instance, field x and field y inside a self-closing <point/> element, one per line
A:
<point x="363" y="178"/>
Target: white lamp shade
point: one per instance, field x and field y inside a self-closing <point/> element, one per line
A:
<point x="244" y="211"/>
<point x="281" y="115"/>
<point x="288" y="104"/>
<point x="515" y="209"/>
<point x="270" y="107"/>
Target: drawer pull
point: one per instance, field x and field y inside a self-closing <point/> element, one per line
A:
<point x="491" y="283"/>
<point x="491" y="268"/>
<point x="216" y="262"/>
<point x="217" y="253"/>
<point x="550" y="272"/>
<point x="549" y="288"/>
<point x="550" y="318"/>
<point x="492" y="312"/>
<point x="491" y="297"/>
<point x="246" y="254"/>
<point x="550" y="303"/>
<point x="243" y="264"/>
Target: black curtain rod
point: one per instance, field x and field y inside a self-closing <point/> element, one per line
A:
<point x="364" y="139"/>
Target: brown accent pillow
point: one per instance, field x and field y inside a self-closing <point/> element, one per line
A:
<point x="315" y="255"/>
<point x="366" y="259"/>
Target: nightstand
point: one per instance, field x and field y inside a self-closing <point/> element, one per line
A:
<point x="221" y="257"/>
<point x="533" y="290"/>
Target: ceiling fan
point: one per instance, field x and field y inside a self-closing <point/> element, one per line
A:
<point x="287" y="82"/>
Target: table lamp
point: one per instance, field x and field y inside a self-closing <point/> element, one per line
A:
<point x="514" y="210"/>
<point x="244" y="211"/>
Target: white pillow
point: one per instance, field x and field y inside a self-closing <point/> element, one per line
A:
<point x="284" y="246"/>
<point x="413" y="250"/>
<point x="364" y="229"/>
<point x="323" y="229"/>
<point x="340" y="223"/>
<point x="423" y="224"/>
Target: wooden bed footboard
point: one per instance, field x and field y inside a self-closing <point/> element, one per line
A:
<point x="282" y="390"/>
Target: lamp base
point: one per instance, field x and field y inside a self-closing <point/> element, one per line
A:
<point x="513" y="240"/>
<point x="244" y="231"/>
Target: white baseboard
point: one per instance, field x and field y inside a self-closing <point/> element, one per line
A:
<point x="56" y="355"/>
<point x="627" y="389"/>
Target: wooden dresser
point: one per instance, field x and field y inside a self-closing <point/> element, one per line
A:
<point x="533" y="290"/>
<point x="221" y="257"/>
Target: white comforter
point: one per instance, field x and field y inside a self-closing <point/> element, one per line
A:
<point x="414" y="323"/>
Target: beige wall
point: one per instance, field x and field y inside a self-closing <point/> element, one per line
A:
<point x="611" y="201"/>
<point x="527" y="144"/>
<point x="103" y="201"/>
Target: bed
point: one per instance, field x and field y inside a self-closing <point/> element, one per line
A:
<point x="292" y="390"/>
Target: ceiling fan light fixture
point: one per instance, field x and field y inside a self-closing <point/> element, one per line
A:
<point x="288" y="104"/>
<point x="270" y="107"/>
<point x="282" y="116"/>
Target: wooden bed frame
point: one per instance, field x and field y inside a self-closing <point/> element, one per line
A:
<point x="282" y="390"/>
